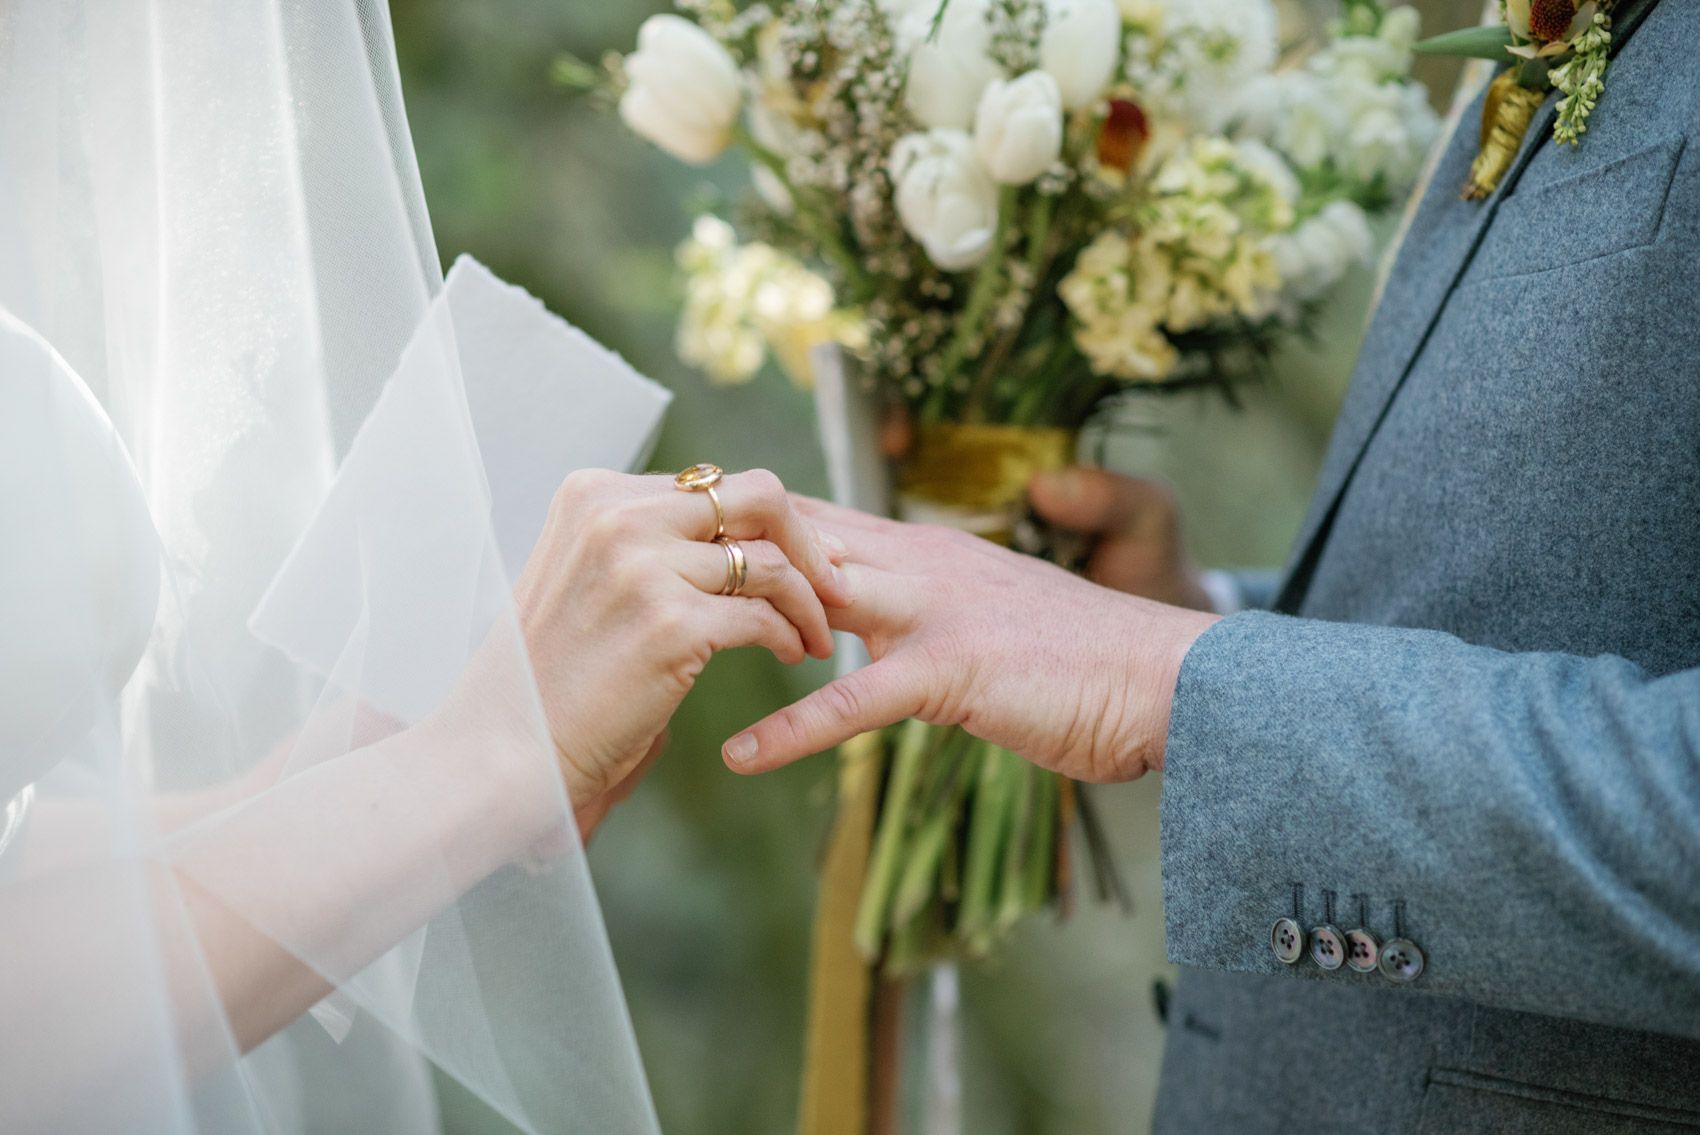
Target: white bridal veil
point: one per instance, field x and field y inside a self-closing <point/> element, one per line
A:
<point x="264" y="480"/>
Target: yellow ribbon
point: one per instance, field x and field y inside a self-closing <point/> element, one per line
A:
<point x="838" y="1049"/>
<point x="980" y="471"/>
<point x="1506" y="116"/>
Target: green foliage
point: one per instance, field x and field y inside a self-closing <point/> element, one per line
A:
<point x="1486" y="42"/>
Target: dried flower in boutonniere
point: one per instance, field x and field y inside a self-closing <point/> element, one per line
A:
<point x="1552" y="45"/>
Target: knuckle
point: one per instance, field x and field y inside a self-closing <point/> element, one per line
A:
<point x="764" y="500"/>
<point x="765" y="485"/>
<point x="768" y="566"/>
<point x="579" y="486"/>
<point x="842" y="701"/>
<point x="605" y="525"/>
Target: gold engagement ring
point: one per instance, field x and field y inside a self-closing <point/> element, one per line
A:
<point x="701" y="478"/>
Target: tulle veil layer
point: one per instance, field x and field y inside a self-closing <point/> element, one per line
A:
<point x="266" y="482"/>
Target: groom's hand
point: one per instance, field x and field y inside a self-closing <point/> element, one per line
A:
<point x="1137" y="526"/>
<point x="1073" y="676"/>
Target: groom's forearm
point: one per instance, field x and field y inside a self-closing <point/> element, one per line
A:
<point x="1531" y="821"/>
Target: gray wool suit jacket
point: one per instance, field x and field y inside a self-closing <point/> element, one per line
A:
<point x="1475" y="722"/>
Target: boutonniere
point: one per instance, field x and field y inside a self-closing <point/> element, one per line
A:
<point x="1551" y="45"/>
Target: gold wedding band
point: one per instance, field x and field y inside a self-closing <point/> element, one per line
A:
<point x="737" y="567"/>
<point x="701" y="478"/>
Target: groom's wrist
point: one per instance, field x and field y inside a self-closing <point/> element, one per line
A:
<point x="1171" y="640"/>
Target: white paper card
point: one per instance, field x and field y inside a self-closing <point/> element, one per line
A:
<point x="411" y="557"/>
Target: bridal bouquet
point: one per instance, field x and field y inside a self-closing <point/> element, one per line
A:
<point x="1009" y="214"/>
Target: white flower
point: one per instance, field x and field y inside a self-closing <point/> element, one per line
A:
<point x="945" y="198"/>
<point x="1367" y="58"/>
<point x="1201" y="54"/>
<point x="948" y="71"/>
<point x="1118" y="299"/>
<point x="1314" y="120"/>
<point x="1351" y="110"/>
<point x="1313" y="258"/>
<point x="684" y="94"/>
<point x="1388" y="133"/>
<point x="744" y="301"/>
<point x="1400" y="27"/>
<point x="1204" y="249"/>
<point x="1273" y="174"/>
<point x="1080" y="47"/>
<point x="1018" y="127"/>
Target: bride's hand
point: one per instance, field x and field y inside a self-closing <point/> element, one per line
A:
<point x="621" y="607"/>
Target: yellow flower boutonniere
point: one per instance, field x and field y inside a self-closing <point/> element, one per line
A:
<point x="1551" y="45"/>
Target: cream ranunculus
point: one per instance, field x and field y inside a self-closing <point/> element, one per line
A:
<point x="1018" y="127"/>
<point x="1080" y="47"/>
<point x="684" y="93"/>
<point x="948" y="71"/>
<point x="945" y="198"/>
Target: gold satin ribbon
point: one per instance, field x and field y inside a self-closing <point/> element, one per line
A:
<point x="838" y="1049"/>
<point x="1506" y="116"/>
<point x="981" y="468"/>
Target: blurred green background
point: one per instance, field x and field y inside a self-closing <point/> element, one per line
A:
<point x="706" y="878"/>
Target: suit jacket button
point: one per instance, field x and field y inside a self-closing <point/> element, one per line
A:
<point x="1327" y="947"/>
<point x="1287" y="940"/>
<point x="1362" y="951"/>
<point x="1401" y="961"/>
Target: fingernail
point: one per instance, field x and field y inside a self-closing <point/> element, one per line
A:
<point x="842" y="582"/>
<point x="835" y="547"/>
<point x="742" y="748"/>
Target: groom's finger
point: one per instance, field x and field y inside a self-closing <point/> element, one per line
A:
<point x="883" y="604"/>
<point x="1091" y="500"/>
<point x="836" y="514"/>
<point x="869" y="539"/>
<point x="870" y="698"/>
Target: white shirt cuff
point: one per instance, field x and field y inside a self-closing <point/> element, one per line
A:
<point x="1223" y="591"/>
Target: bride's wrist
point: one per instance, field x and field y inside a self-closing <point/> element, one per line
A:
<point x="504" y="764"/>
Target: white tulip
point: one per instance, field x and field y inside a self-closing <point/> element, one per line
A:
<point x="1018" y="127"/>
<point x="948" y="71"/>
<point x="684" y="93"/>
<point x="1079" y="50"/>
<point x="944" y="197"/>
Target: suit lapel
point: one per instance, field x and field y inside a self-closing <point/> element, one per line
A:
<point x="1444" y="236"/>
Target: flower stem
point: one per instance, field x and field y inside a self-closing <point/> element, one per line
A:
<point x="919" y="884"/>
<point x="1037" y="262"/>
<point x="988" y="829"/>
<point x="822" y="230"/>
<point x="980" y="297"/>
<point x="915" y="741"/>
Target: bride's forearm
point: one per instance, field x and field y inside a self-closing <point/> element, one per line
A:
<point x="303" y="885"/>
